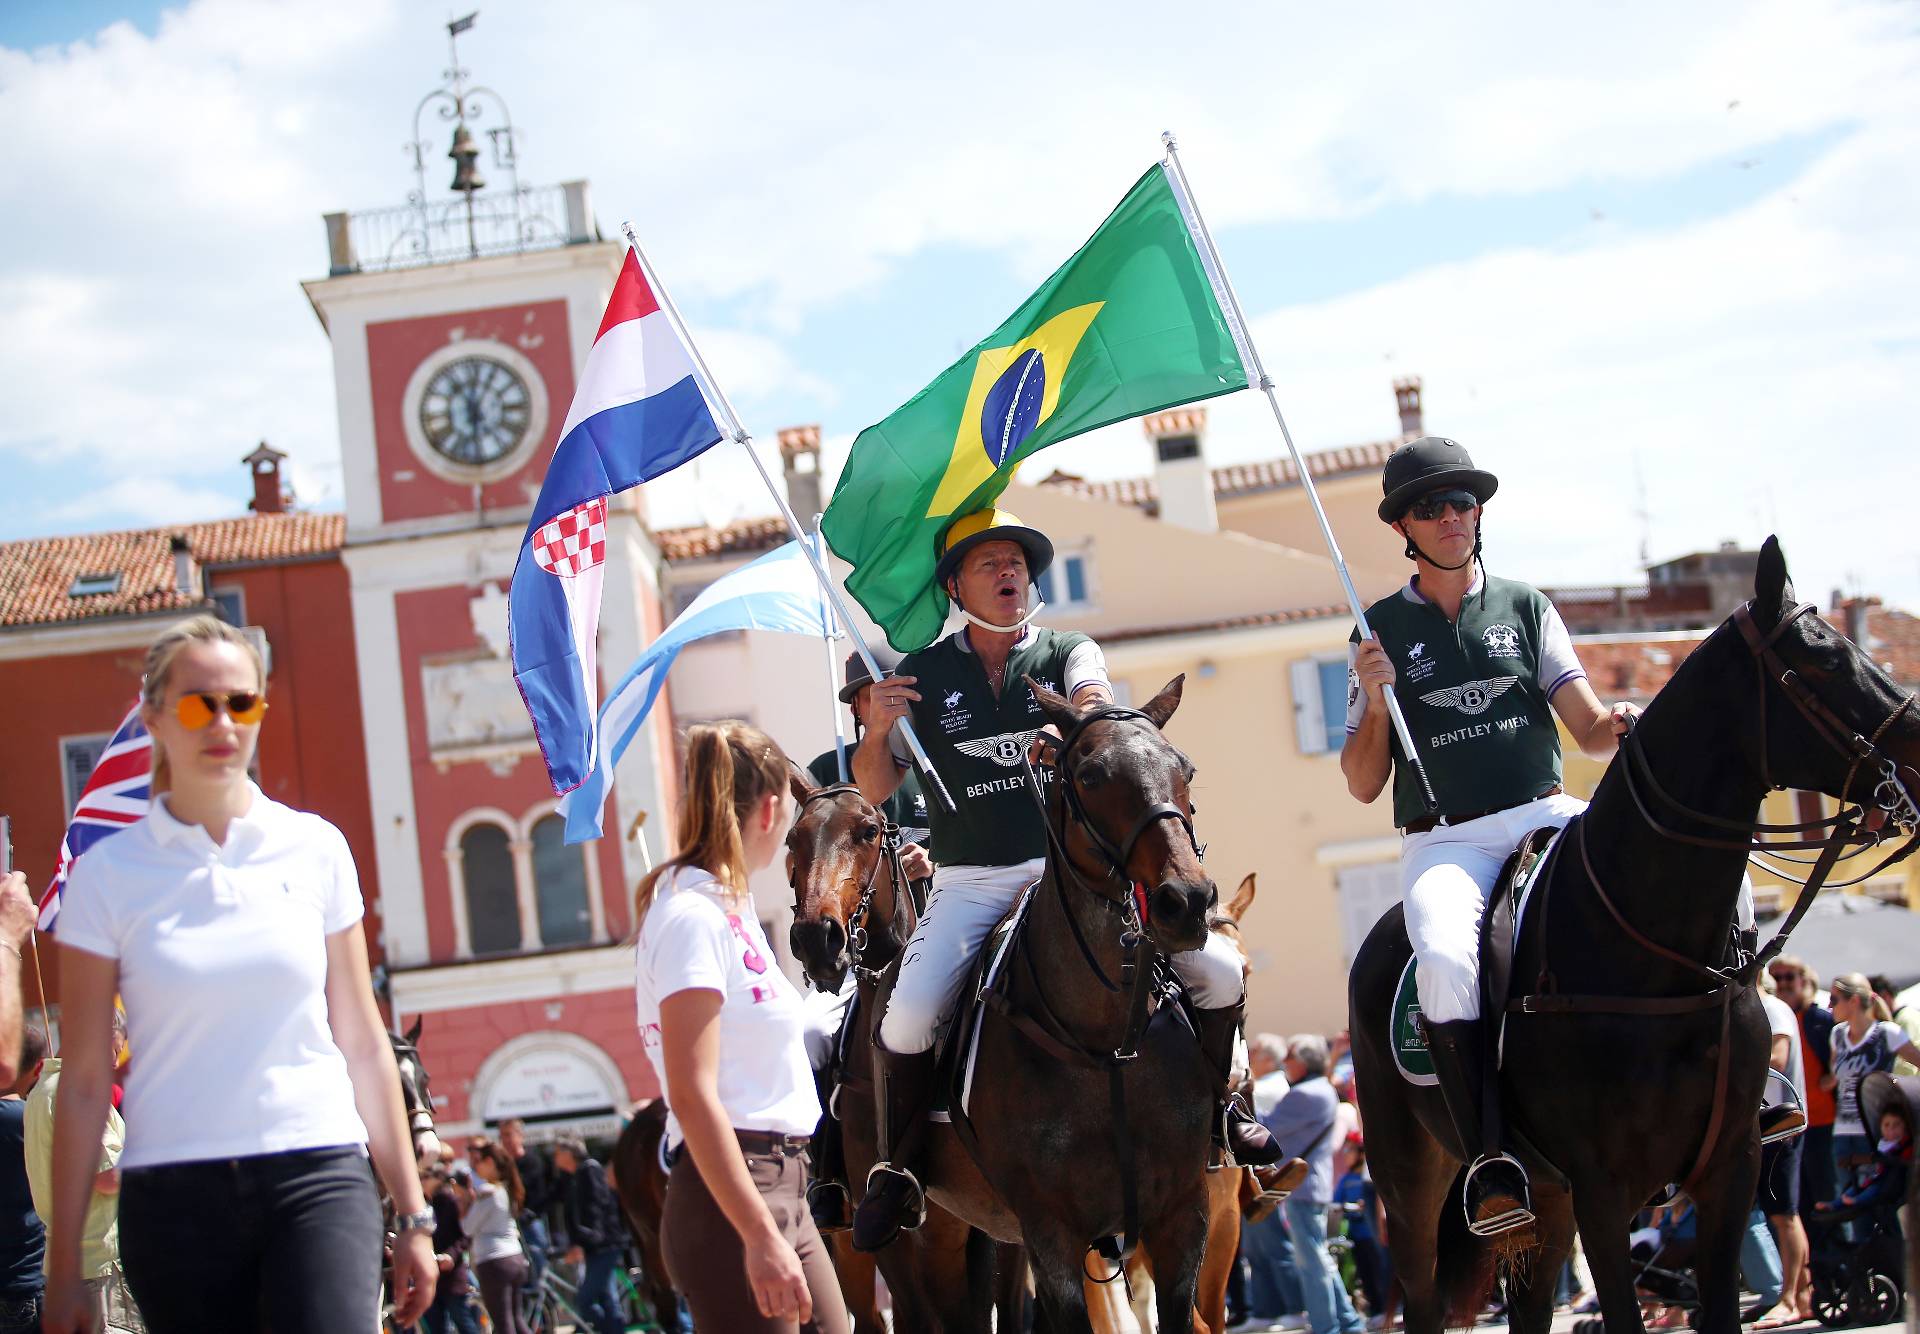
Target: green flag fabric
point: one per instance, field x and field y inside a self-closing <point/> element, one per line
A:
<point x="1130" y="325"/>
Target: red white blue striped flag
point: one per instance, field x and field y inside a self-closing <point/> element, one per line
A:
<point x="117" y="793"/>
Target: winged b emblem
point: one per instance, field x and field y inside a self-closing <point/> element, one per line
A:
<point x="1004" y="750"/>
<point x="1471" y="698"/>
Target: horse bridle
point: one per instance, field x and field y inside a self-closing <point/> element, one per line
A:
<point x="420" y="1118"/>
<point x="1116" y="855"/>
<point x="856" y="923"/>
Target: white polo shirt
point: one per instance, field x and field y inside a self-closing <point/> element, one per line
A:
<point x="694" y="938"/>
<point x="223" y="964"/>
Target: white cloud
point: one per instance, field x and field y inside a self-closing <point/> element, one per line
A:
<point x="781" y="157"/>
<point x="144" y="502"/>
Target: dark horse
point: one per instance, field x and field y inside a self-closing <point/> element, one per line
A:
<point x="1641" y="1054"/>
<point x="641" y="1183"/>
<point x="1088" y="1120"/>
<point x="415" y="1094"/>
<point x="851" y="910"/>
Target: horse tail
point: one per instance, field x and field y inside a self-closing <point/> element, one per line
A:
<point x="1464" y="1265"/>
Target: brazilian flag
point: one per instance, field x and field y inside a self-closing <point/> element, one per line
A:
<point x="1130" y="325"/>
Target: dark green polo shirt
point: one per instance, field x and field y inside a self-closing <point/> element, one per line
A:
<point x="1475" y="693"/>
<point x="976" y="741"/>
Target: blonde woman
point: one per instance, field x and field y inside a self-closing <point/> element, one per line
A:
<point x="231" y="925"/>
<point x="722" y="1027"/>
<point x="1865" y="1039"/>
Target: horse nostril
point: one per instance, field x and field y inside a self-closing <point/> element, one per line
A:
<point x="1176" y="902"/>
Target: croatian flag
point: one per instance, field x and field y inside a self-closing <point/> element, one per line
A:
<point x="637" y="414"/>
<point x="116" y="795"/>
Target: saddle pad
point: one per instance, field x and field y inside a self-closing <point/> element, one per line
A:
<point x="1409" y="1045"/>
<point x="966" y="1026"/>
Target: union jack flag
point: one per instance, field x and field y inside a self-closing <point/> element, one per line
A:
<point x="116" y="795"/>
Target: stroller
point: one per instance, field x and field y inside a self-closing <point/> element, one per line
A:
<point x="1859" y="1281"/>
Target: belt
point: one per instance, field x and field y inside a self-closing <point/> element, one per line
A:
<point x="754" y="1143"/>
<point x="1429" y="822"/>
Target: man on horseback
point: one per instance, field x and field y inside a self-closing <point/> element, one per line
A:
<point x="975" y="715"/>
<point x="1480" y="667"/>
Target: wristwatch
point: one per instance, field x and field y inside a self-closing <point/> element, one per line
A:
<point x="417" y="1222"/>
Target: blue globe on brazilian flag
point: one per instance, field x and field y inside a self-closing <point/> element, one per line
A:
<point x="1133" y="323"/>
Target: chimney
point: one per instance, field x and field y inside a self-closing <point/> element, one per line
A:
<point x="269" y="495"/>
<point x="186" y="571"/>
<point x="1857" y="619"/>
<point x="1406" y="394"/>
<point x="800" y="460"/>
<point x="1180" y="469"/>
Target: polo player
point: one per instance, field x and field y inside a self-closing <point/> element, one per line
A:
<point x="1480" y="666"/>
<point x="974" y="713"/>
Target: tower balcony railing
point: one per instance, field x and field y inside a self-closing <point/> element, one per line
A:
<point x="443" y="231"/>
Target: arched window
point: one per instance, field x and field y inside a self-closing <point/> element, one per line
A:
<point x="493" y="907"/>
<point x="560" y="885"/>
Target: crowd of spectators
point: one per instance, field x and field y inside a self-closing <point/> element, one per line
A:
<point x="1320" y="1263"/>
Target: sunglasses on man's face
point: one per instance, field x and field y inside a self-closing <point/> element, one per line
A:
<point x="197" y="708"/>
<point x="1436" y="503"/>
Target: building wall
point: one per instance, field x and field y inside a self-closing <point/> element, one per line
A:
<point x="1374" y="552"/>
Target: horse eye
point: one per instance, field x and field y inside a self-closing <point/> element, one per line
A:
<point x="1092" y="774"/>
<point x="869" y="831"/>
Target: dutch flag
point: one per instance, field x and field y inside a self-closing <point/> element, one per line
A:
<point x="637" y="414"/>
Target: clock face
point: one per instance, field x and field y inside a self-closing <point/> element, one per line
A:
<point x="475" y="410"/>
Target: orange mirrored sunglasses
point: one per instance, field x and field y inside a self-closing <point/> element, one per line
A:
<point x="197" y="708"/>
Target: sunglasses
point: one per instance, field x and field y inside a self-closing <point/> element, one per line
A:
<point x="197" y="709"/>
<point x="1435" y="503"/>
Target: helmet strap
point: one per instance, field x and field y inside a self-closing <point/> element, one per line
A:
<point x="1015" y="628"/>
<point x="1413" y="551"/>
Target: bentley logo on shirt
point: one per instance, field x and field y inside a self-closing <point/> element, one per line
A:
<point x="1471" y="698"/>
<point x="1004" y="750"/>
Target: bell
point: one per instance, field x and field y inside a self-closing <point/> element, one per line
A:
<point x="464" y="151"/>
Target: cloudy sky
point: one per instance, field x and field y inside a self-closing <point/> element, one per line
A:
<point x="1656" y="263"/>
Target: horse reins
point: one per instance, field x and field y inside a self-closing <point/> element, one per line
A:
<point x="1854" y="826"/>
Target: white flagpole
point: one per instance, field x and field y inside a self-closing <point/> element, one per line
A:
<point x="828" y="633"/>
<point x="1192" y="208"/>
<point x="740" y="436"/>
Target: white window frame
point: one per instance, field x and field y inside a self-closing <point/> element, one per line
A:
<point x="1309" y="704"/>
<point x="1083" y="552"/>
<point x="97" y="740"/>
<point x="1366" y="891"/>
<point x="239" y="596"/>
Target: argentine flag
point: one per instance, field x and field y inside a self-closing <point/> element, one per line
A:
<point x="776" y="592"/>
<point x="638" y="413"/>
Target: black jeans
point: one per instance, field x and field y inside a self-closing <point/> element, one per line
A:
<point x="289" y="1241"/>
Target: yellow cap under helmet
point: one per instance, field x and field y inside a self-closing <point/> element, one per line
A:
<point x="990" y="525"/>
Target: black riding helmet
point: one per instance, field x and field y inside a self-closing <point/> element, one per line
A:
<point x="1427" y="464"/>
<point x="1432" y="463"/>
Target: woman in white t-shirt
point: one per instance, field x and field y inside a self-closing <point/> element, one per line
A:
<point x="230" y="924"/>
<point x="1865" y="1039"/>
<point x="722" y="1026"/>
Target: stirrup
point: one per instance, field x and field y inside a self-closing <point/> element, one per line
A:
<point x="885" y="1169"/>
<point x="1518" y="1217"/>
<point x="819" y="1193"/>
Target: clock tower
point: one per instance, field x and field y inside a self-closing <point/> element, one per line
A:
<point x="459" y="323"/>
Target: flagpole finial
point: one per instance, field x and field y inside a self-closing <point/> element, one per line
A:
<point x="1168" y="141"/>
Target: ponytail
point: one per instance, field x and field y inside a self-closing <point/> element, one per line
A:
<point x="730" y="768"/>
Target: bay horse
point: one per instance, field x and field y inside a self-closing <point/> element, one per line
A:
<point x="415" y="1094"/>
<point x="1091" y="1102"/>
<point x="1635" y="1046"/>
<point x="852" y="912"/>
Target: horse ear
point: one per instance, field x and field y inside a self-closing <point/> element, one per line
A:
<point x="1242" y="899"/>
<point x="1161" y="706"/>
<point x="800" y="784"/>
<point x="1772" y="589"/>
<point x="1058" y="708"/>
<point x="413" y="1034"/>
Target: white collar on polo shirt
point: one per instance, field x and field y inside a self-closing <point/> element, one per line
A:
<point x="167" y="828"/>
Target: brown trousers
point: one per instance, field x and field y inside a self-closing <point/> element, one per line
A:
<point x="709" y="1263"/>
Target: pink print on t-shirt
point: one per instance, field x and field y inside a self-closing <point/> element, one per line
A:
<point x="752" y="958"/>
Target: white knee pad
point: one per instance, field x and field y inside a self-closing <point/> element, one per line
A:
<point x="1212" y="973"/>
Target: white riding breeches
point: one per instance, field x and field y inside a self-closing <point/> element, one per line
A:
<point x="1446" y="876"/>
<point x="965" y="904"/>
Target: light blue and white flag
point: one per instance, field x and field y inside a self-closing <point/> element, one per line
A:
<point x="776" y="592"/>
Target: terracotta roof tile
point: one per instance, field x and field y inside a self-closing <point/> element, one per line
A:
<point x="1239" y="479"/>
<point x="706" y="542"/>
<point x="1893" y="639"/>
<point x="37" y="573"/>
<point x="1621" y="668"/>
